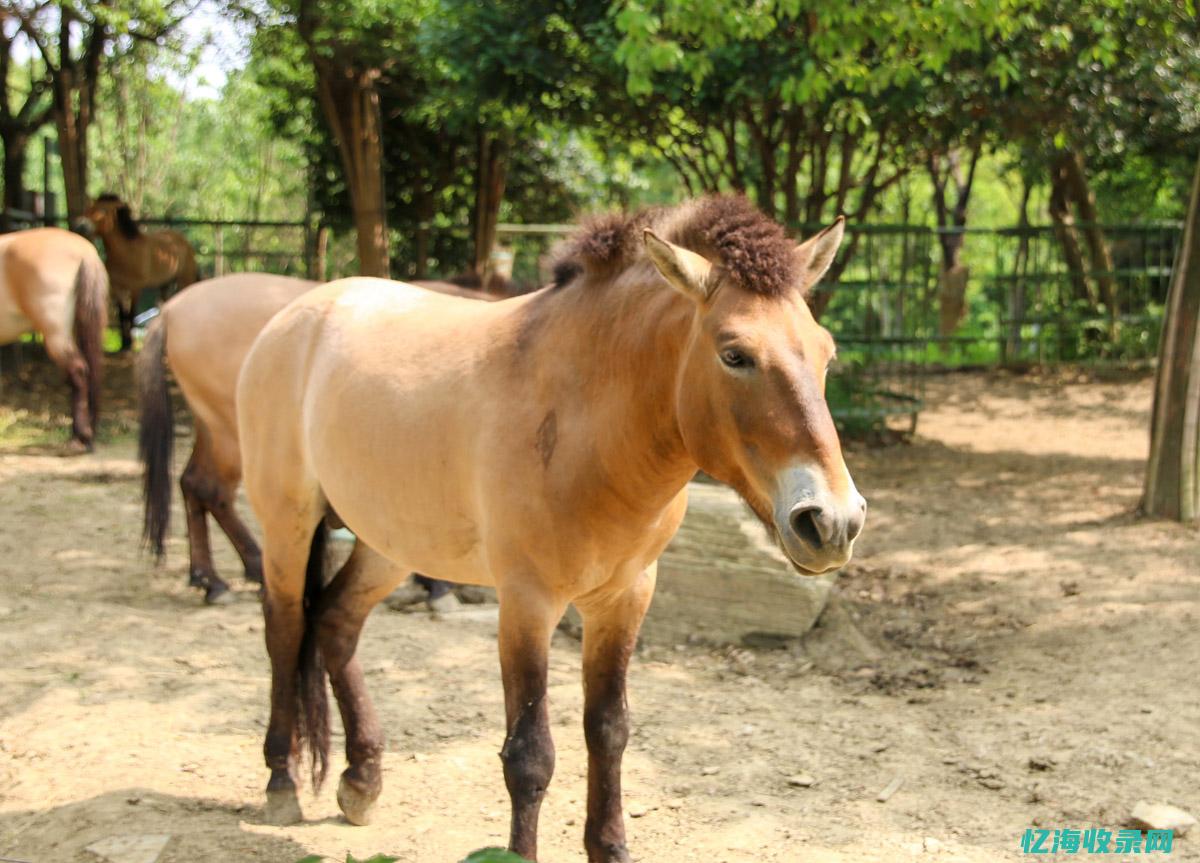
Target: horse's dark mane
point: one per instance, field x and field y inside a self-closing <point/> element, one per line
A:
<point x="727" y="229"/>
<point x="126" y="223"/>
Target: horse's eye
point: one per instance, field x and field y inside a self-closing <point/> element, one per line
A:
<point x="735" y="359"/>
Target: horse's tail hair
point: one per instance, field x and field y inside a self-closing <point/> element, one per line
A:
<point x="156" y="436"/>
<point x="91" y="320"/>
<point x="313" y="709"/>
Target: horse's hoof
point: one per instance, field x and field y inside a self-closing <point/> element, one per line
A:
<point x="607" y="852"/>
<point x="77" y="447"/>
<point x="218" y="594"/>
<point x="357" y="806"/>
<point x="283" y="808"/>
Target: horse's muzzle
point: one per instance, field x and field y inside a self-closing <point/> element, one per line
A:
<point x="84" y="227"/>
<point x="817" y="528"/>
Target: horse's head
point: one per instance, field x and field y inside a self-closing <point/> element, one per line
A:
<point x="751" y="396"/>
<point x="106" y="215"/>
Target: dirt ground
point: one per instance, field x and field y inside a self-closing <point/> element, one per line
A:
<point x="1010" y="641"/>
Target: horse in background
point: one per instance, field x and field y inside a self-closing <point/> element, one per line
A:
<point x="137" y="260"/>
<point x="202" y="335"/>
<point x="53" y="282"/>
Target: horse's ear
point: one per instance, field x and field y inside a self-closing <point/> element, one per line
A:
<point x="687" y="272"/>
<point x="815" y="255"/>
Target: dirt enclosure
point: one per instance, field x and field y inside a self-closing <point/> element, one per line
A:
<point x="1010" y="641"/>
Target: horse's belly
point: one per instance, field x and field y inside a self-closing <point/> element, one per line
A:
<point x="13" y="323"/>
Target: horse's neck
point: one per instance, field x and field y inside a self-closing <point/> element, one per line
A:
<point x="620" y="346"/>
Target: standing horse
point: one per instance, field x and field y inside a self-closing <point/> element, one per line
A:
<point x="541" y="444"/>
<point x="53" y="282"/>
<point x="203" y="336"/>
<point x="137" y="260"/>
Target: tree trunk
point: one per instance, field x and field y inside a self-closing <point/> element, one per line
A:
<point x="1173" y="471"/>
<point x="491" y="173"/>
<point x="952" y="222"/>
<point x="1085" y="204"/>
<point x="72" y="119"/>
<point x="1016" y="295"/>
<point x="350" y="102"/>
<point x="16" y="146"/>
<point x="1068" y="237"/>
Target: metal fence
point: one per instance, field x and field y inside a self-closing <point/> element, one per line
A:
<point x="1024" y="301"/>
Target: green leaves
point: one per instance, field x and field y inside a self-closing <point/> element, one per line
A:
<point x="494" y="855"/>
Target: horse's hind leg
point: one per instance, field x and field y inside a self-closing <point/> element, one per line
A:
<point x="610" y="628"/>
<point x="283" y="612"/>
<point x="67" y="357"/>
<point x="198" y="482"/>
<point x="364" y="580"/>
<point x="228" y="472"/>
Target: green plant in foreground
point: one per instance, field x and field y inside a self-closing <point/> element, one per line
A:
<point x="483" y="855"/>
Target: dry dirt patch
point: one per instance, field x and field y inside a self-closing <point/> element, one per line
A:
<point x="1027" y="656"/>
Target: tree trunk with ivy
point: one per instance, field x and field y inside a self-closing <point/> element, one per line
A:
<point x="350" y="103"/>
<point x="1173" y="471"/>
<point x="491" y="174"/>
<point x="946" y="173"/>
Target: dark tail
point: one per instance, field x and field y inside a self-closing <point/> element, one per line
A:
<point x="314" y="697"/>
<point x="91" y="320"/>
<point x="156" y="436"/>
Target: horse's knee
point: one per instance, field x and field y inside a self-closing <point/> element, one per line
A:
<point x="528" y="754"/>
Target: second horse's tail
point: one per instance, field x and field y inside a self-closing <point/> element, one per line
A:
<point x="156" y="436"/>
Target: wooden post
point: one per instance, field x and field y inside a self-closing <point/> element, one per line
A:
<point x="1173" y="471"/>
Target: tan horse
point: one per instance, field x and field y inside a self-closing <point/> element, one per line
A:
<point x="540" y="444"/>
<point x="203" y="335"/>
<point x="53" y="282"/>
<point x="137" y="260"/>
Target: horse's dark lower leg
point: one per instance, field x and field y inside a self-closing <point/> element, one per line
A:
<point x="224" y="511"/>
<point x="82" y="430"/>
<point x="361" y="582"/>
<point x="609" y="637"/>
<point x="436" y="587"/>
<point x="125" y="316"/>
<point x="196" y="484"/>
<point x="528" y="753"/>
<point x="284" y="631"/>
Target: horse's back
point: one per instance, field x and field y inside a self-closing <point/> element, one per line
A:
<point x="210" y="328"/>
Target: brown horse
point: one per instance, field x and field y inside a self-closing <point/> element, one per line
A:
<point x="53" y="282"/>
<point x="203" y="336"/>
<point x="137" y="260"/>
<point x="540" y="444"/>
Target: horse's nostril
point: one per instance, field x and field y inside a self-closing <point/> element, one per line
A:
<point x="804" y="523"/>
<point x="855" y="525"/>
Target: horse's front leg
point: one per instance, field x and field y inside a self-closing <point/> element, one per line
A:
<point x="610" y="628"/>
<point x="527" y="621"/>
<point x="125" y="316"/>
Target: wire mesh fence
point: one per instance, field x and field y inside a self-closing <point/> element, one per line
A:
<point x="1032" y="294"/>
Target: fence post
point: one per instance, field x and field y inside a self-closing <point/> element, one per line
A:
<point x="218" y="250"/>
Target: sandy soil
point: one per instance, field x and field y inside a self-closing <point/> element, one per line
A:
<point x="1028" y="656"/>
